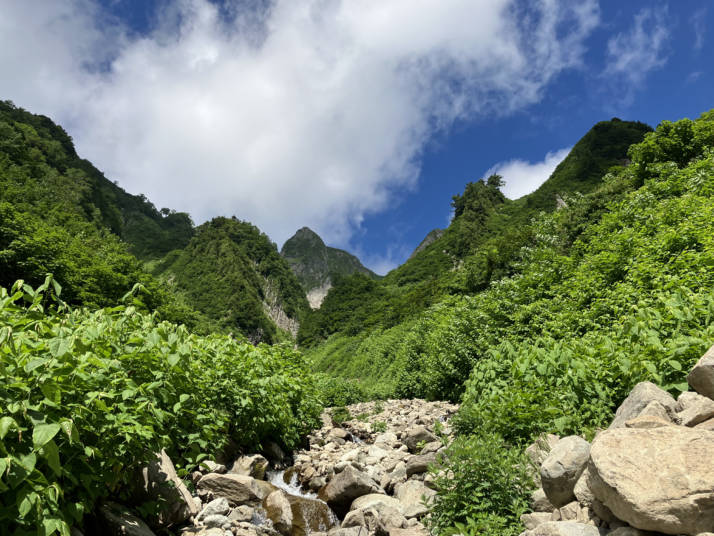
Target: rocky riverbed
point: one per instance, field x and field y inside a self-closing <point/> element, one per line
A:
<point x="366" y="474"/>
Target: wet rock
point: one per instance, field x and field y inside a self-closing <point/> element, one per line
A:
<point x="279" y="511"/>
<point x="310" y="515"/>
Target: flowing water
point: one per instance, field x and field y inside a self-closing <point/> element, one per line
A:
<point x="310" y="514"/>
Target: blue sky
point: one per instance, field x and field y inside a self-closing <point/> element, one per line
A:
<point x="359" y="119"/>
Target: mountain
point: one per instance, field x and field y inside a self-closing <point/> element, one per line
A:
<point x="59" y="214"/>
<point x="482" y="244"/>
<point x="431" y="237"/>
<point x="316" y="265"/>
<point x="233" y="273"/>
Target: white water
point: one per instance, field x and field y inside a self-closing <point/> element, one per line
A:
<point x="276" y="478"/>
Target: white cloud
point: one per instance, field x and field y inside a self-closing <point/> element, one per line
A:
<point x="524" y="177"/>
<point x="697" y="21"/>
<point x="632" y="55"/>
<point x="309" y="113"/>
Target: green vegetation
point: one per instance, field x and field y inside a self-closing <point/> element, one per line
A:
<point x="60" y="215"/>
<point x="228" y="272"/>
<point x="577" y="307"/>
<point x="88" y="396"/>
<point x="481" y="245"/>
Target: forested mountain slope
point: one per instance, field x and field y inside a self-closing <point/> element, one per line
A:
<point x="316" y="265"/>
<point x="486" y="232"/>
<point x="60" y="215"/>
<point x="233" y="273"/>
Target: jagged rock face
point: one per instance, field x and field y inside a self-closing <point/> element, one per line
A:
<point x="315" y="264"/>
<point x="429" y="239"/>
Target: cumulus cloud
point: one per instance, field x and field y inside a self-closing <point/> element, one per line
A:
<point x="632" y="55"/>
<point x="300" y="112"/>
<point x="523" y="177"/>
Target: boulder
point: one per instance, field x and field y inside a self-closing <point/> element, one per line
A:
<point x="420" y="464"/>
<point x="238" y="489"/>
<point x="694" y="408"/>
<point x="658" y="479"/>
<point x="539" y="501"/>
<point x="242" y="513"/>
<point x="648" y="421"/>
<point x="656" y="409"/>
<point x="378" y="519"/>
<point x="631" y="531"/>
<point x="217" y="521"/>
<point x="372" y="499"/>
<point x="345" y="487"/>
<point x="253" y="466"/>
<point x="215" y="507"/>
<point x="412" y="495"/>
<point x="158" y="481"/>
<point x="531" y="521"/>
<point x="416" y="530"/>
<point x="639" y="398"/>
<point x="701" y="377"/>
<point x="564" y="528"/>
<point x="706" y="425"/>
<point x="209" y="466"/>
<point x="417" y="435"/>
<point x="116" y="520"/>
<point x="562" y="469"/>
<point x="310" y="516"/>
<point x="278" y="510"/>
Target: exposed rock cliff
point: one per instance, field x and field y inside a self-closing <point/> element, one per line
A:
<point x="316" y="265"/>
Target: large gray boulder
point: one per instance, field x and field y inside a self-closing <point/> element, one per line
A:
<point x="412" y="495"/>
<point x="158" y="481"/>
<point x="345" y="487"/>
<point x="562" y="469"/>
<point x="659" y="479"/>
<point x="701" y="377"/>
<point x="639" y="398"/>
<point x="420" y="464"/>
<point x="237" y="489"/>
<point x="416" y="436"/>
<point x="277" y="507"/>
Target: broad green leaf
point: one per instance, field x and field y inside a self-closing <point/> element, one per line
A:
<point x="42" y="433"/>
<point x="52" y="391"/>
<point x="6" y="423"/>
<point x="51" y="453"/>
<point x="173" y="359"/>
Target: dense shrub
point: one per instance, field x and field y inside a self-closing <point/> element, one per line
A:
<point x="485" y="489"/>
<point x="86" y="396"/>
